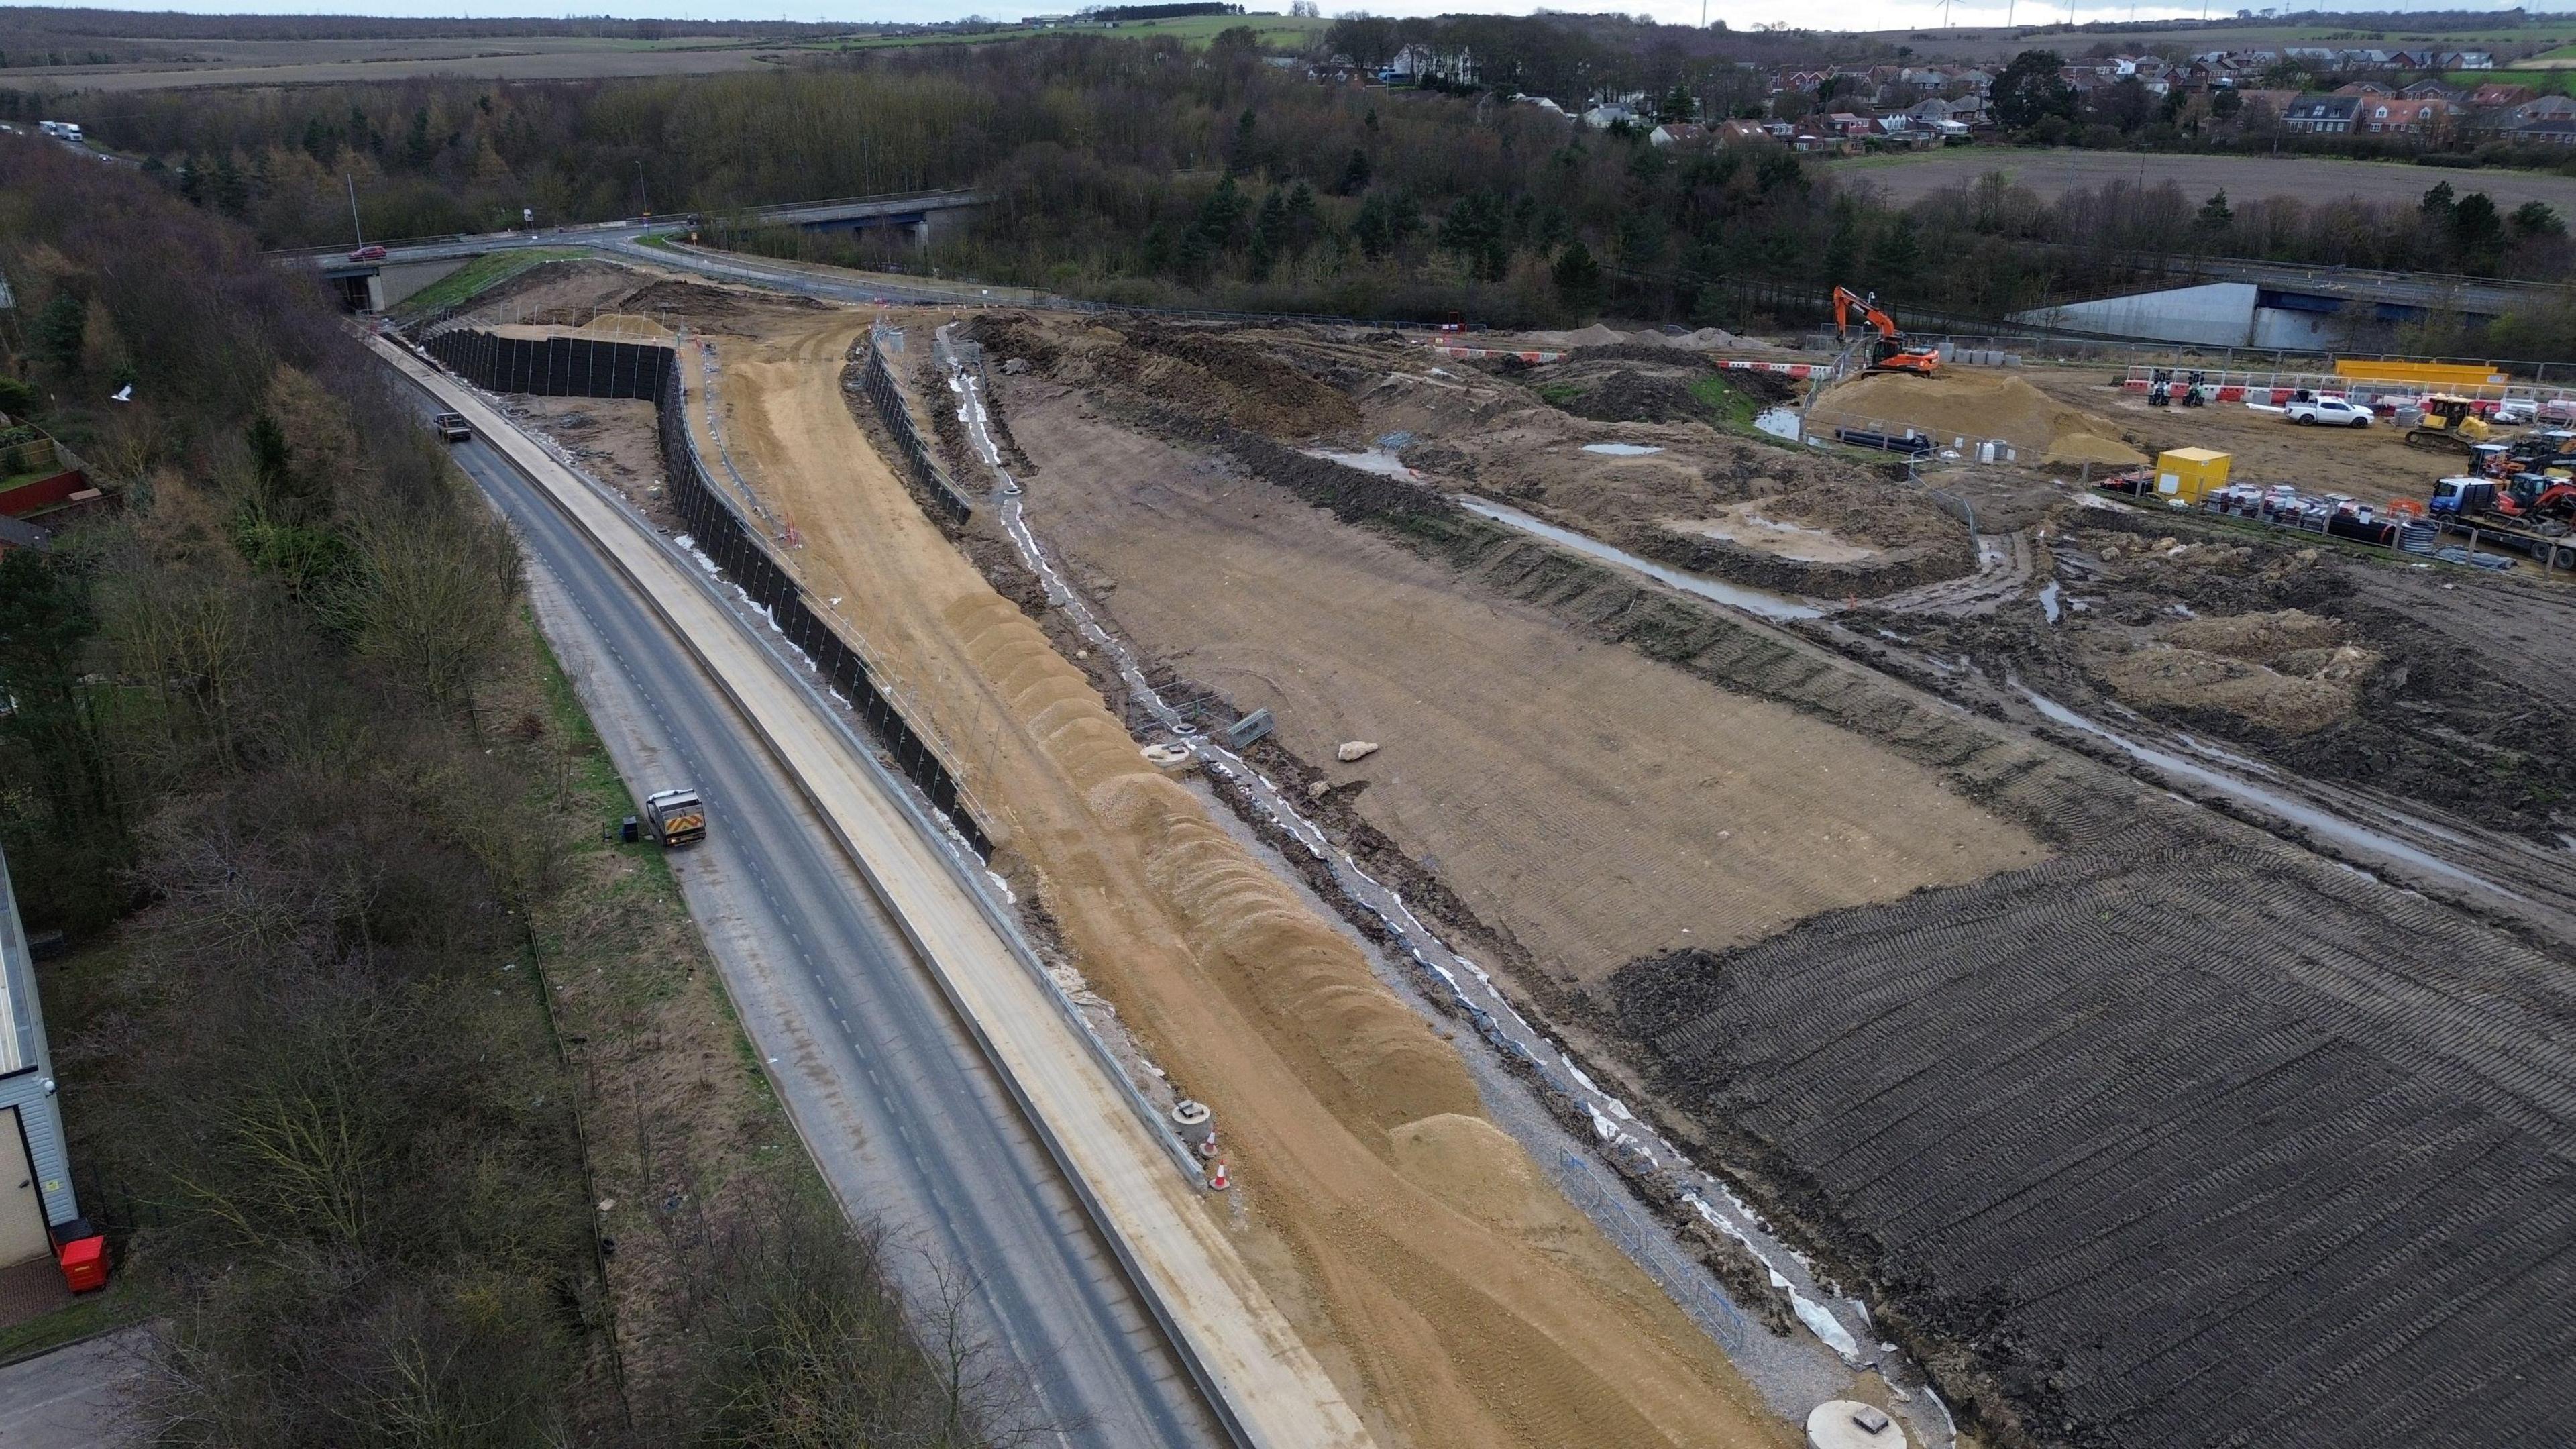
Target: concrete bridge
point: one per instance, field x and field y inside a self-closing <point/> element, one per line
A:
<point x="2224" y="302"/>
<point x="377" y="282"/>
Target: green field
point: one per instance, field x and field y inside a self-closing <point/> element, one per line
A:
<point x="1275" y="32"/>
<point x="1997" y="42"/>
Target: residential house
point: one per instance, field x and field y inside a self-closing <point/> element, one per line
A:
<point x="1733" y="133"/>
<point x="2393" y="116"/>
<point x="2321" y="115"/>
<point x="2364" y="88"/>
<point x="1419" y="63"/>
<point x="2433" y="90"/>
<point x="2545" y="108"/>
<point x="2471" y="60"/>
<point x="2496" y="93"/>
<point x="1603" y="117"/>
<point x="1677" y="133"/>
<point x="2554" y="131"/>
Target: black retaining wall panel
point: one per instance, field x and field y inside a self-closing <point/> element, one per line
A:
<point x="932" y="479"/>
<point x="581" y="367"/>
<point x="554" y="366"/>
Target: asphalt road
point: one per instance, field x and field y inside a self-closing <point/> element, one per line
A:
<point x="75" y="1397"/>
<point x="899" y="1109"/>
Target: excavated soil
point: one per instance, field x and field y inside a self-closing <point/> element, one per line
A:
<point x="1447" y="1326"/>
<point x="2458" y="691"/>
<point x="2179" y="1136"/>
<point x="2196" y="1142"/>
<point x="1522" y="438"/>
<point x="1973" y="404"/>
<point x="2158" y="1143"/>
<point x="651" y="304"/>
<point x="1582" y="801"/>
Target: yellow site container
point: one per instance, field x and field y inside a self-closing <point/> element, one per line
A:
<point x="2464" y="376"/>
<point x="2184" y="474"/>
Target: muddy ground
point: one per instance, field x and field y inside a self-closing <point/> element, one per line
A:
<point x="635" y="302"/>
<point x="2183" y="1136"/>
<point x="2373" y="464"/>
<point x="2175" y="1134"/>
<point x="2432" y="685"/>
<point x="1648" y="447"/>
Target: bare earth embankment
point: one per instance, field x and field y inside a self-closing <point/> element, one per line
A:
<point x="2182" y="1136"/>
<point x="1456" y="1296"/>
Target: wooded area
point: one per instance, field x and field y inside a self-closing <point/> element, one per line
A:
<point x="288" y="764"/>
<point x="1137" y="170"/>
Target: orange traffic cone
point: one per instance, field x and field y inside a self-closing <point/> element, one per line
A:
<point x="1218" y="1181"/>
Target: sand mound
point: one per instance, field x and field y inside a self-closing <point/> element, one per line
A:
<point x="2308" y="683"/>
<point x="2092" y="448"/>
<point x="1475" y="1167"/>
<point x="1981" y="405"/>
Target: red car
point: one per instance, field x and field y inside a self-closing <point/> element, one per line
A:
<point x="368" y="253"/>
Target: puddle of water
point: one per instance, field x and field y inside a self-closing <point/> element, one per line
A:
<point x="2048" y="600"/>
<point x="1621" y="450"/>
<point x="1375" y="460"/>
<point x="1778" y="422"/>
<point x="1751" y="601"/>
<point x="2332" y="827"/>
<point x="1775" y="537"/>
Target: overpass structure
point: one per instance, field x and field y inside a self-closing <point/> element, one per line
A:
<point x="2234" y="303"/>
<point x="369" y="282"/>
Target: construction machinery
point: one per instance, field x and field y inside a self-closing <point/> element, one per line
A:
<point x="2553" y="451"/>
<point x="2529" y="512"/>
<point x="1889" y="352"/>
<point x="2450" y="423"/>
<point x="676" y="816"/>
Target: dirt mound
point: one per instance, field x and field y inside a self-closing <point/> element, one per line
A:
<point x="1629" y="396"/>
<point x="2288" y="671"/>
<point x="2259" y="638"/>
<point x="1250" y="382"/>
<point x="2166" y="678"/>
<point x="1595" y="335"/>
<point x="1975" y="405"/>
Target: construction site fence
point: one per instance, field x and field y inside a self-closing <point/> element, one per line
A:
<point x="932" y="479"/>
<point x="2275" y="387"/>
<point x="583" y="367"/>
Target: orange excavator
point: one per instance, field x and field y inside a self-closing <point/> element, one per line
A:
<point x="1889" y="353"/>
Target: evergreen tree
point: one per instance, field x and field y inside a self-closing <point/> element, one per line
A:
<point x="2215" y="213"/>
<point x="1269" y="234"/>
<point x="61" y="329"/>
<point x="1355" y="174"/>
<point x="1900" y="254"/>
<point x="231" y="191"/>
<point x="1577" y="277"/>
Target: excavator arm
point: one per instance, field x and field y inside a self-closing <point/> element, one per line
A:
<point x="1847" y="302"/>
<point x="1889" y="353"/>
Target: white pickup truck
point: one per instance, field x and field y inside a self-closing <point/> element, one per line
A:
<point x="2332" y="412"/>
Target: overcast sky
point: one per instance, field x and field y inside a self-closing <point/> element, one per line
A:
<point x="1844" y="15"/>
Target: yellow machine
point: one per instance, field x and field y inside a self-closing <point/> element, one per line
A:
<point x="2449" y="423"/>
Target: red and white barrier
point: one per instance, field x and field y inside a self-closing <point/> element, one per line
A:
<point x="1478" y="354"/>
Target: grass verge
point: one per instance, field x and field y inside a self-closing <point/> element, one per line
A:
<point x="480" y="275"/>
